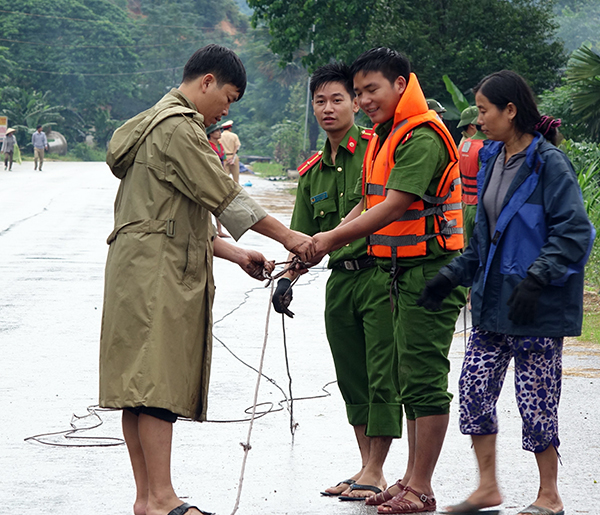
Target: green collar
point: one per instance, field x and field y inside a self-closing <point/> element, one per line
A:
<point x="348" y="143"/>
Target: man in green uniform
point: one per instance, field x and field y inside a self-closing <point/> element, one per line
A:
<point x="410" y="173"/>
<point x="357" y="315"/>
<point x="156" y="340"/>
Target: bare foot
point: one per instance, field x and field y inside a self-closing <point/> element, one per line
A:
<point x="222" y="234"/>
<point x="552" y="502"/>
<point x="166" y="510"/>
<point x="371" y="480"/>
<point x="342" y="488"/>
<point x="139" y="508"/>
<point x="483" y="497"/>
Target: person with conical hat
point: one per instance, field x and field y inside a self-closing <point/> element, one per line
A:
<point x="8" y="148"/>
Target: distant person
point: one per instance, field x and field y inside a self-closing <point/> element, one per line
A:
<point x="525" y="263"/>
<point x="8" y="147"/>
<point x="214" y="138"/>
<point x="358" y="318"/>
<point x="433" y="104"/>
<point x="156" y="339"/>
<point x="468" y="162"/>
<point x="231" y="144"/>
<point x="40" y="144"/>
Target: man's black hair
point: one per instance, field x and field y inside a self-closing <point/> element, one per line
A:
<point x="332" y="72"/>
<point x="222" y="62"/>
<point x="390" y="63"/>
<point x="506" y="86"/>
<point x="38" y="127"/>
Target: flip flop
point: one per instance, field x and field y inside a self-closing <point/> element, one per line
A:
<point x="532" y="509"/>
<point x="183" y="508"/>
<point x="467" y="508"/>
<point x="357" y="486"/>
<point x="348" y="482"/>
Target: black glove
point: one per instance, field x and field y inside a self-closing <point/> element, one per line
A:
<point x="523" y="301"/>
<point x="435" y="292"/>
<point x="282" y="297"/>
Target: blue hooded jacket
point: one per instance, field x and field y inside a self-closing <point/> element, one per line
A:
<point x="542" y="230"/>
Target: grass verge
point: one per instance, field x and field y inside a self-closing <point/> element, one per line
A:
<point x="268" y="169"/>
<point x="591" y="328"/>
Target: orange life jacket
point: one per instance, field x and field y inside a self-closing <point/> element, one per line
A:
<point x="407" y="236"/>
<point x="468" y="161"/>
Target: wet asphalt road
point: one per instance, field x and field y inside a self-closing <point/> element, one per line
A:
<point x="53" y="227"/>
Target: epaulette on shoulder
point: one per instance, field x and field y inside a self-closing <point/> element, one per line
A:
<point x="310" y="162"/>
<point x="407" y="137"/>
<point x="367" y="133"/>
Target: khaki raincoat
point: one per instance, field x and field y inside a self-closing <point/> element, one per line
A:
<point x="155" y="345"/>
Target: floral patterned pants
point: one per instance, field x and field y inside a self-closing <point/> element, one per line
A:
<point x="538" y="373"/>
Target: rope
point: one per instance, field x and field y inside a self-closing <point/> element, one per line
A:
<point x="70" y="435"/>
<point x="246" y="446"/>
<point x="293" y="423"/>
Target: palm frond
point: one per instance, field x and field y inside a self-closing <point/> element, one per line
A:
<point x="583" y="65"/>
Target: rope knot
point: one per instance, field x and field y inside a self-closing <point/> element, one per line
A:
<point x="246" y="446"/>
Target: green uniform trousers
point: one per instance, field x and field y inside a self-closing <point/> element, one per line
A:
<point x="423" y="340"/>
<point x="358" y="321"/>
<point x="469" y="213"/>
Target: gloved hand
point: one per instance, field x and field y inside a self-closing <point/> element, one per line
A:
<point x="523" y="301"/>
<point x="282" y="297"/>
<point x="436" y="290"/>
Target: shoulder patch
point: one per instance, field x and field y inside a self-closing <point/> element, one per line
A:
<point x="407" y="137"/>
<point x="310" y="162"/>
<point x="367" y="133"/>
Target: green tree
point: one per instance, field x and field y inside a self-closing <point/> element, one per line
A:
<point x="315" y="30"/>
<point x="80" y="50"/>
<point x="25" y="111"/>
<point x="584" y="73"/>
<point x="465" y="39"/>
<point x="266" y="101"/>
<point x="460" y="39"/>
<point x="579" y="22"/>
<point x="168" y="33"/>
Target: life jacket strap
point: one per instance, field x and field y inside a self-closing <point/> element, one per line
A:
<point x="415" y="214"/>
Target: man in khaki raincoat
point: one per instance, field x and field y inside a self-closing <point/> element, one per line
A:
<point x="155" y="344"/>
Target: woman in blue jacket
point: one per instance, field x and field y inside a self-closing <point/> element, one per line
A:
<point x="525" y="266"/>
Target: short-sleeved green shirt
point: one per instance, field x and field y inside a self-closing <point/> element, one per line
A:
<point x="420" y="164"/>
<point x="326" y="193"/>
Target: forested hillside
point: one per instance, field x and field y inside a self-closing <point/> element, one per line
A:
<point x="84" y="66"/>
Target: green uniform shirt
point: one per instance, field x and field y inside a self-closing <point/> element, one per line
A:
<point x="419" y="165"/>
<point x="326" y="193"/>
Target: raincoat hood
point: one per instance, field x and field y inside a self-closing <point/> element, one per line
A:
<point x="128" y="138"/>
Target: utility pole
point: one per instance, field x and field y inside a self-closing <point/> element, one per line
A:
<point x="312" y="49"/>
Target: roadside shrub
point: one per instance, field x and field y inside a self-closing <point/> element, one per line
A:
<point x="86" y="153"/>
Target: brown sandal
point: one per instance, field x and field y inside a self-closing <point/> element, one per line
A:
<point x="377" y="499"/>
<point x="398" y="504"/>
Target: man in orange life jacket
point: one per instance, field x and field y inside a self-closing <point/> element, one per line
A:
<point x="468" y="162"/>
<point x="411" y="215"/>
<point x="359" y="327"/>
